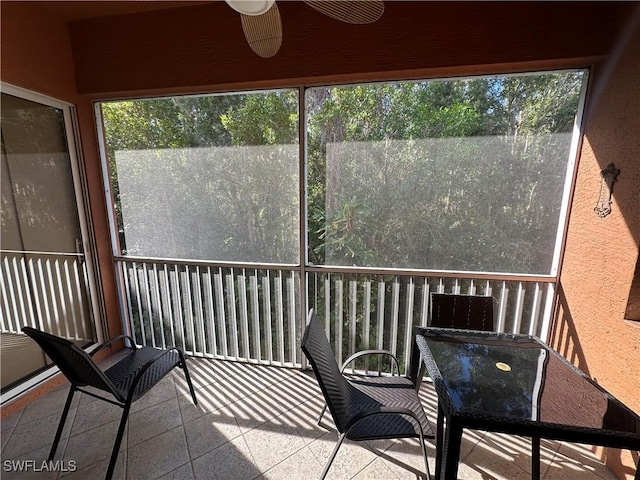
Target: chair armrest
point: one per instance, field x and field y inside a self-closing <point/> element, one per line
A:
<point x="363" y="353"/>
<point x="109" y="342"/>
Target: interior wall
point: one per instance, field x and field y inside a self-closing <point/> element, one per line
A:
<point x="601" y="253"/>
<point x="37" y="56"/>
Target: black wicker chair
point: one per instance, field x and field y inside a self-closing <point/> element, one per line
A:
<point x="127" y="380"/>
<point x="470" y="312"/>
<point x="364" y="407"/>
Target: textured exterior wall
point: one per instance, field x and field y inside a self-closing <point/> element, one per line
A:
<point x="601" y="253"/>
<point x="36" y="52"/>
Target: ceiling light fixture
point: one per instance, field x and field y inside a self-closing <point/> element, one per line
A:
<point x="250" y="7"/>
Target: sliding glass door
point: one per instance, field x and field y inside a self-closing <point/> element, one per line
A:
<point x="44" y="279"/>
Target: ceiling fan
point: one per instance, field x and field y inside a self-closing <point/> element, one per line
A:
<point x="262" y="25"/>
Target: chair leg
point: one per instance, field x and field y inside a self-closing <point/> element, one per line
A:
<point x="324" y="409"/>
<point x="186" y="374"/>
<point x="116" y="446"/>
<point x="424" y="454"/>
<point x="341" y="438"/>
<point x="63" y="419"/>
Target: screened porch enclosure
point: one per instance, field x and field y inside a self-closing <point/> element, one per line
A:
<point x="234" y="214"/>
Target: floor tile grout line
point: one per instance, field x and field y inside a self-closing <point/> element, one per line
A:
<point x="253" y="458"/>
<point x="362" y="444"/>
<point x="384" y="462"/>
<point x="66" y="445"/>
<point x="26" y="421"/>
<point x="544" y="474"/>
<point x="171" y="471"/>
<point x="557" y="453"/>
<point x="305" y="445"/>
<point x="381" y="455"/>
<point x="25" y="455"/>
<point x="283" y="460"/>
<point x="192" y="459"/>
<point x="475" y="445"/>
<point x="554" y="456"/>
<point x="213" y="449"/>
<point x="313" y="453"/>
<point x="108" y="456"/>
<point x="21" y="411"/>
<point x="176" y="469"/>
<point x="247" y="408"/>
<point x="156" y="435"/>
<point x="353" y="442"/>
<point x="184" y="429"/>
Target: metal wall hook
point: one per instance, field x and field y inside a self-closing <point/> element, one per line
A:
<point x="609" y="177"/>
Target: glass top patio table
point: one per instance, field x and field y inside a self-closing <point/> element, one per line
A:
<point x="516" y="384"/>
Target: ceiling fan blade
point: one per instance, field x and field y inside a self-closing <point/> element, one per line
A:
<point x="263" y="32"/>
<point x="355" y="11"/>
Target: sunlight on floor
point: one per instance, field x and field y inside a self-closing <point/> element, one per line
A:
<point x="254" y="422"/>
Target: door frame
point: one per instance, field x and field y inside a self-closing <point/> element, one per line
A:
<point x="79" y="187"/>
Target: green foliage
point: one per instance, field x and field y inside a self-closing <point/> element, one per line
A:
<point x="345" y="232"/>
<point x="190" y="194"/>
<point x="264" y="120"/>
<point x="458" y="174"/>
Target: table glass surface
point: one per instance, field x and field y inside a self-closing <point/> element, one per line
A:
<point x="521" y="379"/>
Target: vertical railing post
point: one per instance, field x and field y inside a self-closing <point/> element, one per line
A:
<point x="219" y="312"/>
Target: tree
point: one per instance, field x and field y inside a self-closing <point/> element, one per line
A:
<point x="455" y="174"/>
<point x="202" y="183"/>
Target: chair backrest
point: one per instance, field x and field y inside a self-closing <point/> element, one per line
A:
<point x="73" y="362"/>
<point x="471" y="312"/>
<point x="337" y="392"/>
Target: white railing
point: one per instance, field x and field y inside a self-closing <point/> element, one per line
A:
<point x="254" y="314"/>
<point x="233" y="313"/>
<point x="47" y="291"/>
<point x="363" y="311"/>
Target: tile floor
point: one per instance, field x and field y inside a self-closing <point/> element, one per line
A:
<point x="252" y="422"/>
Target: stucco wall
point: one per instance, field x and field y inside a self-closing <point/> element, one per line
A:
<point x="601" y="253"/>
<point x="37" y="55"/>
<point x="36" y="52"/>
